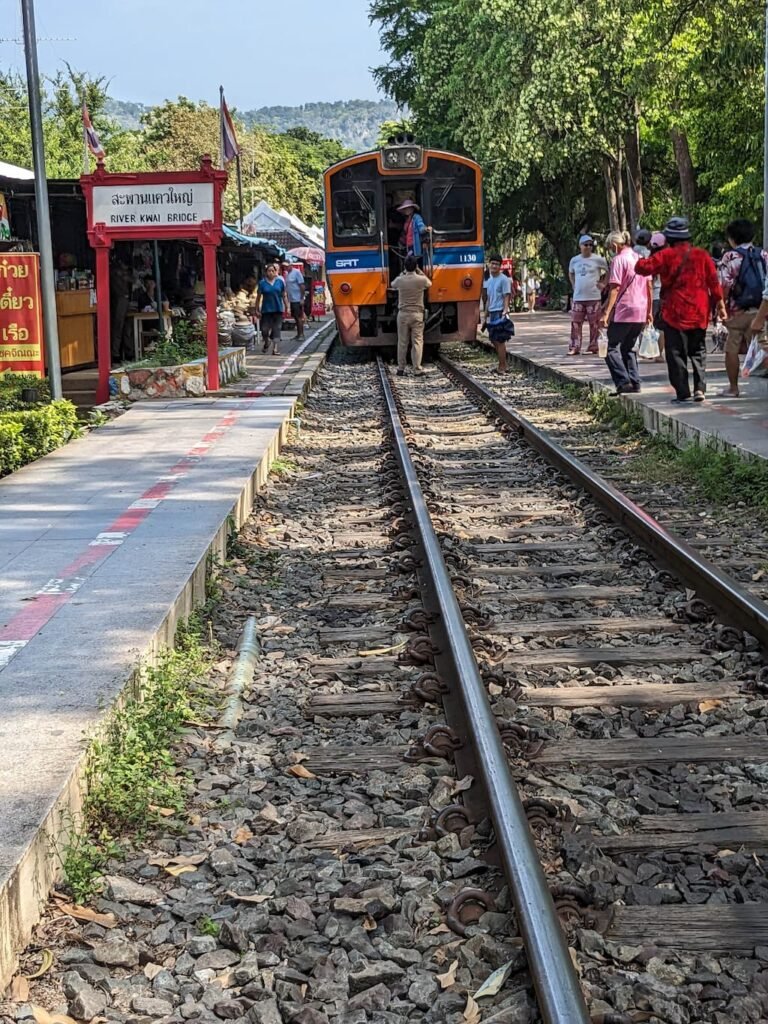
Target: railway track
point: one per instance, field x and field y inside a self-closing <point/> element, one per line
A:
<point x="487" y="733"/>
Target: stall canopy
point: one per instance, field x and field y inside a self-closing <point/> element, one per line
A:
<point x="271" y="249"/>
<point x="281" y="227"/>
<point x="17" y="173"/>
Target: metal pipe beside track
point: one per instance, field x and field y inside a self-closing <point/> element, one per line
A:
<point x="241" y="677"/>
<point x="558" y="992"/>
<point x="733" y="603"/>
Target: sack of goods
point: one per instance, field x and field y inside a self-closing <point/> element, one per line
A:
<point x="226" y="321"/>
<point x="243" y="334"/>
<point x="649" y="343"/>
<point x="756" y="362"/>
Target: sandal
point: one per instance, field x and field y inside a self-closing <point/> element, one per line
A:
<point x="727" y="393"/>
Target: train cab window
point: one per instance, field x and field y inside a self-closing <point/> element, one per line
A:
<point x="354" y="213"/>
<point x="453" y="209"/>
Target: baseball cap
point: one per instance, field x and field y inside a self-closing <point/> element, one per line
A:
<point x="658" y="240"/>
<point x="586" y="240"/>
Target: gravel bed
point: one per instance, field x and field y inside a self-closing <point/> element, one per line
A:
<point x="252" y="904"/>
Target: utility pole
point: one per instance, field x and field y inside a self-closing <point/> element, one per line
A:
<point x="47" y="282"/>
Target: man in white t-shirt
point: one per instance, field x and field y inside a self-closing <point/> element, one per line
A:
<point x="588" y="273"/>
<point x="497" y="295"/>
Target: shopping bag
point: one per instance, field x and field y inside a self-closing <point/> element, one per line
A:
<point x="756" y="360"/>
<point x="649" y="343"/>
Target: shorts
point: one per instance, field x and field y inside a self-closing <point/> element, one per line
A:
<point x="739" y="327"/>
<point x="297" y="311"/>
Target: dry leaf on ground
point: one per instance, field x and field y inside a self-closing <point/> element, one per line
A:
<point x="301" y="772"/>
<point x="493" y="983"/>
<point x="19" y="989"/>
<point x="254" y="897"/>
<point x="449" y="978"/>
<point x="86" y="914"/>
<point x="151" y="971"/>
<point x="242" y="835"/>
<point x="43" y="1017"/>
<point x="471" y="1011"/>
<point x="45" y="965"/>
<point x="179" y="869"/>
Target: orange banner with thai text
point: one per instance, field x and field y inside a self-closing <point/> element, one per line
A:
<point x="21" y="320"/>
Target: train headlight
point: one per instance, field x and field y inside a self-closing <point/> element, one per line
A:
<point x="345" y="288"/>
<point x="402" y="156"/>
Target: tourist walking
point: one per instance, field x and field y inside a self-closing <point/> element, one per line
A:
<point x="297" y="289"/>
<point x="497" y="295"/>
<point x="743" y="273"/>
<point x="587" y="273"/>
<point x="272" y="305"/>
<point x="626" y="313"/>
<point x="658" y="241"/>
<point x="410" y="287"/>
<point x="642" y="241"/>
<point x="689" y="288"/>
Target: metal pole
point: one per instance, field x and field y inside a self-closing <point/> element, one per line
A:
<point x="47" y="282"/>
<point x="240" y="190"/>
<point x="158" y="289"/>
<point x="765" y="137"/>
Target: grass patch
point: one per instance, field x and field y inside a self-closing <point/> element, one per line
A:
<point x="130" y="775"/>
<point x="283" y="465"/>
<point x="207" y="926"/>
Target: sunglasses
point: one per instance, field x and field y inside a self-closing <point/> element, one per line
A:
<point x="588" y="245"/>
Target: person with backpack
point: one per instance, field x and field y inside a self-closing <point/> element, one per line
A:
<point x="689" y="287"/>
<point x="743" y="274"/>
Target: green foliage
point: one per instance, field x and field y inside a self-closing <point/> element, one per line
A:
<point x="207" y="926"/>
<point x="187" y="342"/>
<point x="29" y="433"/>
<point x="12" y="385"/>
<point x="130" y="771"/>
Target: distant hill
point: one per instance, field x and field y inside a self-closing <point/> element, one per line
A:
<point x="355" y="123"/>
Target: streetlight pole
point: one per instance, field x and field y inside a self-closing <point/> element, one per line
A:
<point x="48" y="285"/>
<point x="765" y="138"/>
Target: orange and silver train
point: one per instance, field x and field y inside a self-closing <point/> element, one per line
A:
<point x="363" y="249"/>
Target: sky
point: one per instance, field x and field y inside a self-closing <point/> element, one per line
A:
<point x="264" y="52"/>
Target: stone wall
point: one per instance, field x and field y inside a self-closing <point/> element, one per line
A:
<point x="189" y="380"/>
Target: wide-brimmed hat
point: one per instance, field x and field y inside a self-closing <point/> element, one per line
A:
<point x="677" y="229"/>
<point x="658" y="241"/>
<point x="407" y="204"/>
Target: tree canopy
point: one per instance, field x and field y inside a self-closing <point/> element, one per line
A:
<point x="588" y="114"/>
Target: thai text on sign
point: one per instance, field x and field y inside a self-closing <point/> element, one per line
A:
<point x="139" y="206"/>
<point x="21" y="322"/>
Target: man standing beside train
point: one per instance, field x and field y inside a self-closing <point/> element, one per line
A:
<point x="497" y="295"/>
<point x="410" y="287"/>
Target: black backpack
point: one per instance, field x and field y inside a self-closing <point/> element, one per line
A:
<point x="747" y="291"/>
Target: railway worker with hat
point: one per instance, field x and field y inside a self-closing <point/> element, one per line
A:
<point x="626" y="313"/>
<point x="410" y="287"/>
<point x="689" y="287"/>
<point x="413" y="229"/>
<point x="588" y="273"/>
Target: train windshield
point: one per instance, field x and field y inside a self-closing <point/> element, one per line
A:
<point x="354" y="204"/>
<point x="453" y="198"/>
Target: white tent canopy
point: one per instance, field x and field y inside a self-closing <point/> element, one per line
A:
<point x="12" y="171"/>
<point x="263" y="218"/>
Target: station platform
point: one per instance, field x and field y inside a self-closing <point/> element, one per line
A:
<point x="288" y="372"/>
<point x="541" y="345"/>
<point x="104" y="547"/>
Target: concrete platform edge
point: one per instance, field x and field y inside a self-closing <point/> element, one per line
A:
<point x="26" y="889"/>
<point x="655" y="422"/>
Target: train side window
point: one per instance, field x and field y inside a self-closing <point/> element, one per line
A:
<point x="354" y="213"/>
<point x="453" y="208"/>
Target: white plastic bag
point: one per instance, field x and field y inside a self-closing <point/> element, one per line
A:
<point x="755" y="361"/>
<point x="649" y="343"/>
<point x="602" y="344"/>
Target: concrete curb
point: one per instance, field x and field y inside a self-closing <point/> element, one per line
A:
<point x="655" y="422"/>
<point x="27" y="884"/>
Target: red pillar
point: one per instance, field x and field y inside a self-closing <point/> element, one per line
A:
<point x="103" y="325"/>
<point x="212" y="327"/>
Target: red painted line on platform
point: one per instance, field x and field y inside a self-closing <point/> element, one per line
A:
<point x="58" y="591"/>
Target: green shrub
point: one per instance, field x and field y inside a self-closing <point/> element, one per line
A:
<point x="33" y="431"/>
<point x="11" y="386"/>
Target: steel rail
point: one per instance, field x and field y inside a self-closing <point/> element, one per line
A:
<point x="733" y="603"/>
<point x="558" y="992"/>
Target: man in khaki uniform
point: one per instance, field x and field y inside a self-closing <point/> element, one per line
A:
<point x="410" y="287"/>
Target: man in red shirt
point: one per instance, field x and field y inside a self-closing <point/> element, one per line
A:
<point x="689" y="287"/>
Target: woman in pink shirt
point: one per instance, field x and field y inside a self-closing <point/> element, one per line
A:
<point x="627" y="311"/>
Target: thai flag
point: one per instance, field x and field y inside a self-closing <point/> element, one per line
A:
<point x="94" y="143"/>
<point x="229" y="146"/>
